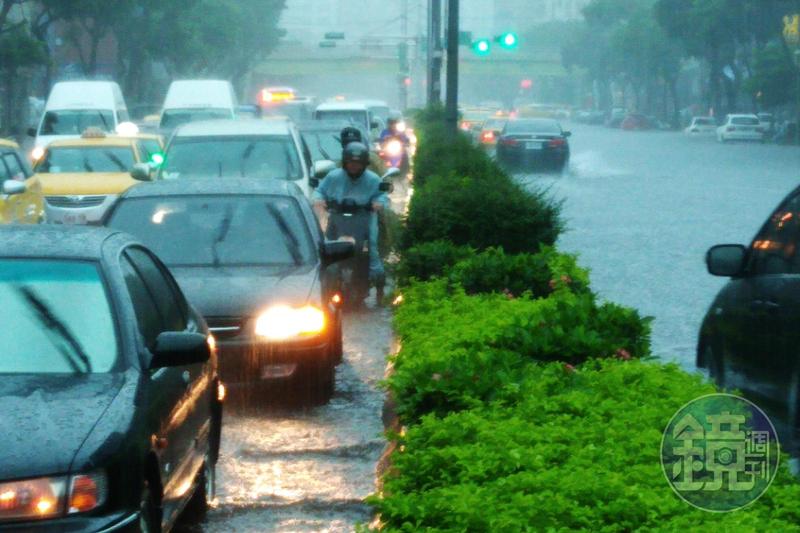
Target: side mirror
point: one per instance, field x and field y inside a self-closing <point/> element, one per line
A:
<point x="386" y="186"/>
<point x="322" y="167"/>
<point x="141" y="172"/>
<point x="390" y="173"/>
<point x="31" y="132"/>
<point x="178" y="348"/>
<point x="374" y="124"/>
<point x="567" y="134"/>
<point x="333" y="251"/>
<point x="313" y="182"/>
<point x="14" y="187"/>
<point x="726" y="260"/>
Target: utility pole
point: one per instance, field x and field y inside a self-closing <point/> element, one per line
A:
<point x="451" y="106"/>
<point x="434" y="51"/>
<point x="404" y="63"/>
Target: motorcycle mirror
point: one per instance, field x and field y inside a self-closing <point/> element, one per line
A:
<point x="141" y="172"/>
<point x="322" y="167"/>
<point x="333" y="251"/>
<point x="313" y="182"/>
<point x="386" y="186"/>
<point x="391" y="173"/>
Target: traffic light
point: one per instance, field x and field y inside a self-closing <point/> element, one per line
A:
<point x="481" y="47"/>
<point x="508" y="40"/>
<point x="334" y="36"/>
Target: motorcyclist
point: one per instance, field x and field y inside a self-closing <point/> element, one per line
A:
<point x="394" y="130"/>
<point x="354" y="181"/>
<point x="351" y="134"/>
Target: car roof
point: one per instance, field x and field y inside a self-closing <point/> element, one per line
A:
<point x="214" y="186"/>
<point x="371" y="103"/>
<point x="740" y="115"/>
<point x="214" y="128"/>
<point x="342" y="106"/>
<point x="58" y="242"/>
<point x="109" y="140"/>
<point x="325" y="125"/>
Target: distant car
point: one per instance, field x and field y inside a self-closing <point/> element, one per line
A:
<point x="112" y="407"/>
<point x="767" y="121"/>
<point x="490" y="131"/>
<point x="250" y="148"/>
<point x="81" y="178"/>
<point x="636" y="121"/>
<point x="701" y="126"/>
<point x="356" y="112"/>
<point x="749" y="339"/>
<point x="20" y="191"/>
<point x="249" y="254"/>
<point x="536" y="143"/>
<point x="740" y="128"/>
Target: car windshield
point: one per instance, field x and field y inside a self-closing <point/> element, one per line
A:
<point x="323" y="145"/>
<point x="56" y="318"/>
<point x="356" y="116"/>
<point x="218" y="230"/>
<point x="381" y="112"/>
<point x="745" y="121"/>
<point x="74" y="122"/>
<point x="273" y="156"/>
<point x="173" y="118"/>
<point x="533" y="126"/>
<point x="60" y="159"/>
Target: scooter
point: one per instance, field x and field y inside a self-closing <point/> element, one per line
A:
<point x="394" y="153"/>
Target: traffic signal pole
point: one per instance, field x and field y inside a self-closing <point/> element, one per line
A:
<point x="451" y="106"/>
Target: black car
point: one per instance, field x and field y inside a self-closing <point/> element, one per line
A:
<point x="250" y="255"/>
<point x="749" y="338"/>
<point x="111" y="402"/>
<point x="322" y="138"/>
<point x="534" y="143"/>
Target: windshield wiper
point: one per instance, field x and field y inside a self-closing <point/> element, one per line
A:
<point x="53" y="324"/>
<point x="246" y="155"/>
<point x="86" y="166"/>
<point x="222" y="232"/>
<point x="105" y="123"/>
<point x="289" y="238"/>
<point x="116" y="160"/>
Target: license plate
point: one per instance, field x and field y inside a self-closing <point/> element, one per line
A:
<point x="277" y="371"/>
<point x="74" y="219"/>
<point x="533" y="145"/>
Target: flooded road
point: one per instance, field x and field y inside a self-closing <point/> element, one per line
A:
<point x="308" y="469"/>
<point x="642" y="209"/>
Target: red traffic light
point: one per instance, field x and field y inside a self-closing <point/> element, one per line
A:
<point x="526" y="84"/>
<point x="407" y="81"/>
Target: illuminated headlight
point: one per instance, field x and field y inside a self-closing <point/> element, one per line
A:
<point x="282" y="322"/>
<point x="394" y="148"/>
<point x="37" y="153"/>
<point x="52" y="497"/>
<point x="401" y="126"/>
<point x="126" y="129"/>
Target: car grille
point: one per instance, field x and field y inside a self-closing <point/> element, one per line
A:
<point x="75" y="201"/>
<point x="225" y="327"/>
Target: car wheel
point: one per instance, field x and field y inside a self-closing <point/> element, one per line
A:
<point x="338" y="343"/>
<point x="716" y="367"/>
<point x="149" y="513"/>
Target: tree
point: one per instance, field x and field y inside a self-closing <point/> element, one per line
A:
<point x="771" y="71"/>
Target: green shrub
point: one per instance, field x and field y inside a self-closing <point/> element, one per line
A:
<point x="459" y="350"/>
<point x="540" y="274"/>
<point x="430" y="260"/>
<point x="482" y="213"/>
<point x="437" y="155"/>
<point x="574" y="451"/>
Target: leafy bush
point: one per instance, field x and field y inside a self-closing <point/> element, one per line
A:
<point x="573" y="450"/>
<point x="540" y="274"/>
<point x="482" y="213"/>
<point x="430" y="260"/>
<point x="437" y="155"/>
<point x="459" y="351"/>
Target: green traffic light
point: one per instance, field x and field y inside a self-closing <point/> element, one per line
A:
<point x="509" y="40"/>
<point x="481" y="47"/>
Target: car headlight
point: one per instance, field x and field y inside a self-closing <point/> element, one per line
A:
<point x="282" y="322"/>
<point x="394" y="148"/>
<point x="51" y="497"/>
<point x="37" y="153"/>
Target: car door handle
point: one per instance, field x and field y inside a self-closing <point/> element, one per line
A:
<point x="764" y="305"/>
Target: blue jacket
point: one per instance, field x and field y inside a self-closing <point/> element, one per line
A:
<point x="364" y="190"/>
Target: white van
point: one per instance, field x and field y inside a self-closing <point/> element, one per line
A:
<point x="74" y="106"/>
<point x="355" y="112"/>
<point x="193" y="100"/>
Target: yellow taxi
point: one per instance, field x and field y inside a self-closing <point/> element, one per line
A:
<point x="81" y="178"/>
<point x="20" y="191"/>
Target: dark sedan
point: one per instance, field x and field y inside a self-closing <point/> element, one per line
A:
<point x="249" y="254"/>
<point x="536" y="143"/>
<point x="749" y="338"/>
<point x="112" y="407"/>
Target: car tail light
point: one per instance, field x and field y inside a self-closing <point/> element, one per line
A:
<point x="465" y="125"/>
<point x="730" y="128"/>
<point x="508" y="141"/>
<point x="555" y="143"/>
<point x="487" y="136"/>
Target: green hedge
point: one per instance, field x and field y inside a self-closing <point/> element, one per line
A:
<point x="574" y="450"/>
<point x="478" y="345"/>
<point x="429" y="260"/>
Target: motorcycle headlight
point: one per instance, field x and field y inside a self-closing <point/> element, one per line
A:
<point x="37" y="153"/>
<point x="51" y="497"/>
<point x="282" y="322"/>
<point x="401" y="126"/>
<point x="394" y="148"/>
